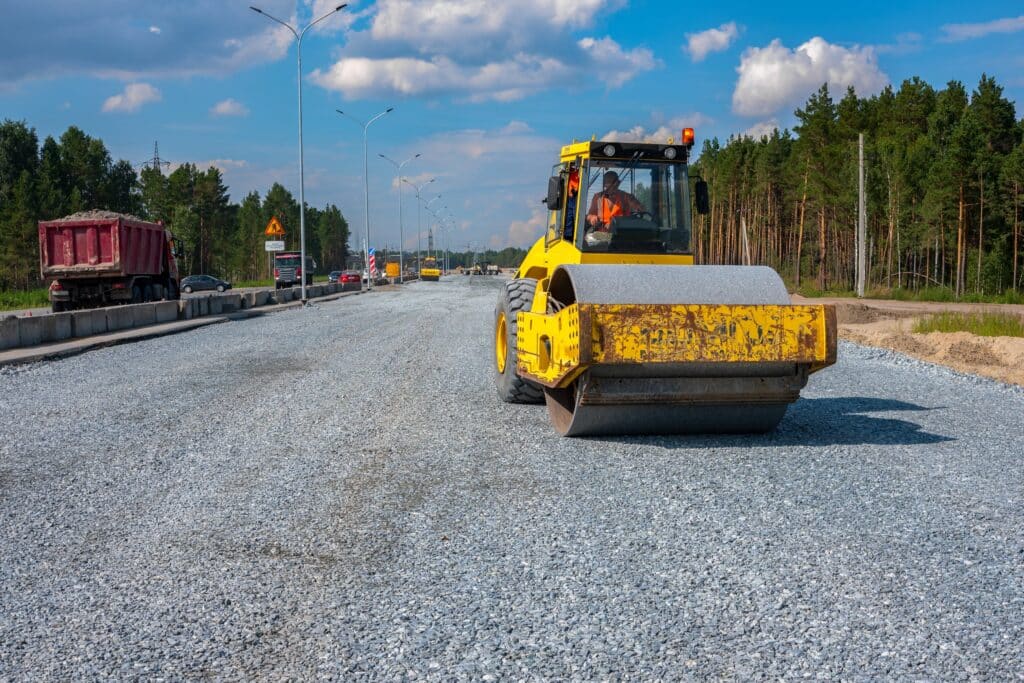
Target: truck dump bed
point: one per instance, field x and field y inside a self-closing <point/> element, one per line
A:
<point x="98" y="244"/>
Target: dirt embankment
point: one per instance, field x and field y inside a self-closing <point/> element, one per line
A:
<point x="890" y="324"/>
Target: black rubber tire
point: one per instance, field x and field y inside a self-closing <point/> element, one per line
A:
<point x="136" y="294"/>
<point x="516" y="296"/>
<point x="58" y="307"/>
<point x="147" y="293"/>
<point x="220" y="288"/>
<point x="188" y="289"/>
<point x="172" y="291"/>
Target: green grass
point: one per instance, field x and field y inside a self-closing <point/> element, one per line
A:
<point x="254" y="283"/>
<point x="981" y="324"/>
<point x="18" y="299"/>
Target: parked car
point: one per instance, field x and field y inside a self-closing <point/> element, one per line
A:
<point x="334" y="276"/>
<point x="201" y="283"/>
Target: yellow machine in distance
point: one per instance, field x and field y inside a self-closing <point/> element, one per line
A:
<point x="429" y="270"/>
<point x="610" y="323"/>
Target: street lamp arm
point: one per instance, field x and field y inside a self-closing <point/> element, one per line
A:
<point x="273" y="18"/>
<point x="317" y="21"/>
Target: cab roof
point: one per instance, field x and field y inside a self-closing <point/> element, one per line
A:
<point x="624" y="151"/>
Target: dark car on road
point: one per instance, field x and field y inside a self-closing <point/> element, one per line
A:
<point x="200" y="283"/>
<point x="334" y="276"/>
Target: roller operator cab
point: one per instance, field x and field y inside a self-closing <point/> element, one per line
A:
<point x="609" y="322"/>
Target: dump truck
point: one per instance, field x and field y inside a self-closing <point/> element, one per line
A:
<point x="429" y="270"/>
<point x="288" y="269"/>
<point x="609" y="322"/>
<point x="100" y="258"/>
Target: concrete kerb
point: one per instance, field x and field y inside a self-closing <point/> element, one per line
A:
<point x="32" y="331"/>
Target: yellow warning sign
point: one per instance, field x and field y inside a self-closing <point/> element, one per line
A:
<point x="274" y="228"/>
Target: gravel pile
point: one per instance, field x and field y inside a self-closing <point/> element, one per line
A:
<point x="336" y="492"/>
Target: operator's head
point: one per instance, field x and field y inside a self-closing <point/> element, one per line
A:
<point x="611" y="180"/>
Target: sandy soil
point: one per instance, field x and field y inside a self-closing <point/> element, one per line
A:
<point x="889" y="324"/>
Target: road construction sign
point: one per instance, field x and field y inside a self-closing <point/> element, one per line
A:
<point x="274" y="228"/>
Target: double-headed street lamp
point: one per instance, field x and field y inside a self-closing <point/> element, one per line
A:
<point x="302" y="191"/>
<point x="401" y="233"/>
<point x="366" y="188"/>
<point x="419" y="230"/>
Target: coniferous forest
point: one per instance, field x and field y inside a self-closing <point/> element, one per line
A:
<point x="76" y="173"/>
<point x="944" y="185"/>
<point x="944" y="176"/>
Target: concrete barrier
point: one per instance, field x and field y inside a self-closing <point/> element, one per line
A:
<point x="229" y="303"/>
<point x="10" y="332"/>
<point x="143" y="314"/>
<point x="262" y="297"/>
<point x="88" y="322"/>
<point x="119" y="318"/>
<point x="42" y="329"/>
<point x="166" y="311"/>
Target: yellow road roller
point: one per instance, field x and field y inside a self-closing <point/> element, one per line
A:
<point x="609" y="322"/>
<point x="429" y="270"/>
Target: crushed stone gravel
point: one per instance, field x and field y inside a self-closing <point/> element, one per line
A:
<point x="336" y="492"/>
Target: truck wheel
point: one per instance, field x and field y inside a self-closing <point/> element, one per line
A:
<point x="58" y="307"/>
<point x="172" y="291"/>
<point x="516" y="296"/>
<point x="136" y="294"/>
<point x="147" y="293"/>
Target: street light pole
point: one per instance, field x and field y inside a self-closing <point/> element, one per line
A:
<point x="401" y="234"/>
<point x="302" y="189"/>
<point x="366" y="189"/>
<point x="419" y="229"/>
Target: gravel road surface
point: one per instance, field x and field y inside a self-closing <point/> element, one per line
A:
<point x="336" y="493"/>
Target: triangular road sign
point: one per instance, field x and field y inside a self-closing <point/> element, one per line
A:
<point x="274" y="228"/>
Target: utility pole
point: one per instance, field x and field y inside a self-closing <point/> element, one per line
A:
<point x="861" y="219"/>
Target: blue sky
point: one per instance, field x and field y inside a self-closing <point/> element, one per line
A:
<point x="487" y="92"/>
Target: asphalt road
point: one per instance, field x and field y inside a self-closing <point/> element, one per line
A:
<point x="336" y="492"/>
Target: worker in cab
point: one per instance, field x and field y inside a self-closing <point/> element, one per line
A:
<point x="610" y="203"/>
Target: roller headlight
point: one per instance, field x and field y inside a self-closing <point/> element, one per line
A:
<point x="609" y="150"/>
<point x="670" y="152"/>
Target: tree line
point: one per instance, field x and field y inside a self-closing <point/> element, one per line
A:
<point x="76" y="173"/>
<point x="944" y="176"/>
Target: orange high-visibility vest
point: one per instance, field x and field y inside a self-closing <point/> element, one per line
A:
<point x="610" y="208"/>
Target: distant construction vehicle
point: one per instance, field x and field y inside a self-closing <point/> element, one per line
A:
<point x="429" y="270"/>
<point x="608" y="321"/>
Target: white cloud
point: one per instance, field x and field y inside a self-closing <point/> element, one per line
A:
<point x="522" y="233"/>
<point x="699" y="45"/>
<point x="229" y="107"/>
<point x="477" y="51"/>
<point x="761" y="129"/>
<point x="614" y="65"/>
<point x="673" y="129"/>
<point x="773" y="77"/>
<point x="957" y="32"/>
<point x="154" y="29"/>
<point x="134" y="96"/>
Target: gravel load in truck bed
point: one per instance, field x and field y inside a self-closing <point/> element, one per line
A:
<point x="336" y="492"/>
